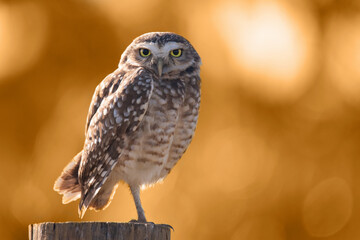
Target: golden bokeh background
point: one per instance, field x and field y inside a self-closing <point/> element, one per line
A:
<point x="277" y="149"/>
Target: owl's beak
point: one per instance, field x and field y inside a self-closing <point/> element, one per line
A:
<point x="160" y="65"/>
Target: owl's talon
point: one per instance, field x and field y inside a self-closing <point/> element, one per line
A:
<point x="166" y="226"/>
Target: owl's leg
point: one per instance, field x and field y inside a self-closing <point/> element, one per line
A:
<point x="135" y="191"/>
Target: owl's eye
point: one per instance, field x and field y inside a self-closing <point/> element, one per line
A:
<point x="144" y="52"/>
<point x="176" y="52"/>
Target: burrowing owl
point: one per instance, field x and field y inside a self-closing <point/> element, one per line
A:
<point x="141" y="120"/>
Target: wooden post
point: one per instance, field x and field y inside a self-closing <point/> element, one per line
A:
<point x="99" y="231"/>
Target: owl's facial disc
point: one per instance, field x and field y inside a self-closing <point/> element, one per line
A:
<point x="164" y="54"/>
<point x="162" y="59"/>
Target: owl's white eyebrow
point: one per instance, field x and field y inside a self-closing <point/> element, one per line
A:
<point x="171" y="46"/>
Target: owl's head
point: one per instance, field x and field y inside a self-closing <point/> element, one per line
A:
<point x="164" y="53"/>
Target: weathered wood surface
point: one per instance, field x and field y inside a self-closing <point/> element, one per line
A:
<point x="99" y="231"/>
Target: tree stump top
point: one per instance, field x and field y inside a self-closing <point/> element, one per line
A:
<point x="99" y="231"/>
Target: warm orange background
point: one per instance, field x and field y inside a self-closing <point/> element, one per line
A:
<point x="277" y="149"/>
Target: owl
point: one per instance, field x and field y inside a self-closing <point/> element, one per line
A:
<point x="141" y="120"/>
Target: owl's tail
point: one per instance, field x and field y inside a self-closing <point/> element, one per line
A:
<point x="68" y="183"/>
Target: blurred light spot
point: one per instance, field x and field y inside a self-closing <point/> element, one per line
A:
<point x="29" y="203"/>
<point x="128" y="13"/>
<point x="238" y="160"/>
<point x="269" y="45"/>
<point x="201" y="34"/>
<point x="22" y="36"/>
<point x="62" y="134"/>
<point x="343" y="55"/>
<point x="324" y="3"/>
<point x="260" y="228"/>
<point x="327" y="207"/>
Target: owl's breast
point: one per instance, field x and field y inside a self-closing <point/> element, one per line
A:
<point x="186" y="124"/>
<point x="148" y="149"/>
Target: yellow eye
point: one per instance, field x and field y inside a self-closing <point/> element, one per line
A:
<point x="144" y="52"/>
<point x="176" y="52"/>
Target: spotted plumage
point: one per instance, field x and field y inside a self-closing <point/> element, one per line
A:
<point x="140" y="122"/>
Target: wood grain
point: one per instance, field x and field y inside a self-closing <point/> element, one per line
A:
<point x="99" y="231"/>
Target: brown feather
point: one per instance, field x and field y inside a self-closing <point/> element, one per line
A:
<point x="68" y="184"/>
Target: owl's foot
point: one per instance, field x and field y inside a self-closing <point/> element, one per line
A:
<point x="161" y="225"/>
<point x="139" y="221"/>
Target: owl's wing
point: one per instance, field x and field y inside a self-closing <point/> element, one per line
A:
<point x="103" y="90"/>
<point x="118" y="115"/>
